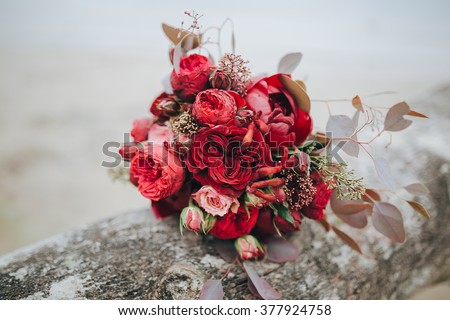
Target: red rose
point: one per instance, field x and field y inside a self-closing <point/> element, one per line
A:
<point x="215" y="106"/>
<point x="140" y="129"/>
<point x="192" y="77"/>
<point x="174" y="204"/>
<point x="315" y="209"/>
<point x="158" y="172"/>
<point x="266" y="219"/>
<point x="165" y="106"/>
<point x="288" y="124"/>
<point x="218" y="158"/>
<point x="234" y="225"/>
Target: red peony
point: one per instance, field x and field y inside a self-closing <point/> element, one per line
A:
<point x="215" y="106"/>
<point x="164" y="106"/>
<point x="264" y="225"/>
<point x="140" y="129"/>
<point x="218" y="158"/>
<point x="315" y="209"/>
<point x="158" y="172"/>
<point x="192" y="77"/>
<point x="234" y="225"/>
<point x="288" y="125"/>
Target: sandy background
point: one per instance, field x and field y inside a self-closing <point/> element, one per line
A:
<point x="74" y="75"/>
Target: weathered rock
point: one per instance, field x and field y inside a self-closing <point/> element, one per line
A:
<point x="134" y="256"/>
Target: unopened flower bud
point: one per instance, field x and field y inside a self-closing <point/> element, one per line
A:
<point x="219" y="80"/>
<point x="249" y="248"/>
<point x="192" y="218"/>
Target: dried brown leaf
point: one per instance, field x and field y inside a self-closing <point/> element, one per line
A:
<point x="325" y="224"/>
<point x="419" y="208"/>
<point x="175" y="35"/>
<point x="372" y="194"/>
<point x="416" y="114"/>
<point x="356" y="102"/>
<point x="299" y="95"/>
<point x="347" y="239"/>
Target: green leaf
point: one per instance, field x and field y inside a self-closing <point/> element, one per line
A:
<point x="284" y="213"/>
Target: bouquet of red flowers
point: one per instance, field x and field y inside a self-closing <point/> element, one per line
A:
<point x="235" y="157"/>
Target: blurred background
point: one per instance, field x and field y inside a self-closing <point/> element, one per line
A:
<point x="75" y="74"/>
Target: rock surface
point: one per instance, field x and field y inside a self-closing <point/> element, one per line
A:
<point x="135" y="256"/>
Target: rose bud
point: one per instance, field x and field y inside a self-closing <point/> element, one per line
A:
<point x="192" y="218"/>
<point x="219" y="80"/>
<point x="249" y="248"/>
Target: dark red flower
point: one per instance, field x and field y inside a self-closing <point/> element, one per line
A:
<point x="174" y="204"/>
<point x="234" y="225"/>
<point x="165" y="106"/>
<point x="218" y="157"/>
<point x="192" y="77"/>
<point x="266" y="219"/>
<point x="288" y="125"/>
<point x="315" y="209"/>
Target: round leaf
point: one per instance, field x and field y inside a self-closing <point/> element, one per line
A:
<point x="212" y="290"/>
<point x="394" y="120"/>
<point x="388" y="220"/>
<point x="263" y="288"/>
<point x="340" y="126"/>
<point x="280" y="250"/>
<point x="417" y="189"/>
<point x="289" y="62"/>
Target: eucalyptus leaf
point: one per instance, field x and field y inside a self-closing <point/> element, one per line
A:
<point x="281" y="250"/>
<point x="356" y="220"/>
<point x="347" y="239"/>
<point x="263" y="288"/>
<point x="394" y="120"/>
<point x="419" y="208"/>
<point x="417" y="189"/>
<point x="289" y="62"/>
<point x="212" y="290"/>
<point x="357" y="103"/>
<point x="384" y="172"/>
<point x="388" y="220"/>
<point x="341" y="126"/>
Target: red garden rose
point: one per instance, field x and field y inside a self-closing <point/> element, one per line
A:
<point x="266" y="219"/>
<point x="288" y="125"/>
<point x="234" y="225"/>
<point x="215" y="106"/>
<point x="164" y="106"/>
<point x="218" y="158"/>
<point x="158" y="172"/>
<point x="315" y="209"/>
<point x="140" y="129"/>
<point x="192" y="77"/>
